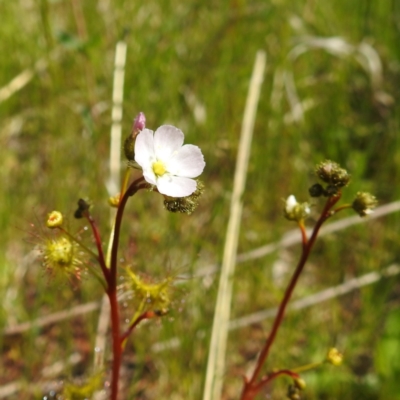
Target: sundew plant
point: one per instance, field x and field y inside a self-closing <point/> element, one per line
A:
<point x="159" y="162"/>
<point x="166" y="167"/>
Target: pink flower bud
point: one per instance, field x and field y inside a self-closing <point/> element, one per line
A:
<point x="139" y="123"/>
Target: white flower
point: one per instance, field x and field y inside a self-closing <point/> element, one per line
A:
<point x="166" y="163"/>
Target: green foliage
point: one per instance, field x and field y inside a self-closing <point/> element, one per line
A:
<point x="83" y="391"/>
<point x="387" y="362"/>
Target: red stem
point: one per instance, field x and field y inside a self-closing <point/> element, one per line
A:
<point x="117" y="348"/>
<point x="250" y="388"/>
<point x="145" y="315"/>
<point x="112" y="287"/>
<point x="133" y="188"/>
<point x="100" y="252"/>
<point x="274" y="375"/>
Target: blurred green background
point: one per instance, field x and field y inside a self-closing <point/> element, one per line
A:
<point x="331" y="90"/>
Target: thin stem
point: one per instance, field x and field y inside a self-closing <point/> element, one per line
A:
<point x="303" y="234"/>
<point x="250" y="388"/>
<point x="138" y="313"/>
<point x="77" y="241"/>
<point x="90" y="252"/>
<point x="125" y="181"/>
<point x="343" y="207"/>
<point x="133" y="188"/>
<point x="112" y="287"/>
<point x="109" y="247"/>
<point x="116" y="342"/>
<point x="135" y="323"/>
<point x="97" y="238"/>
<point x="274" y="375"/>
<point x="97" y="275"/>
<point x="307" y="367"/>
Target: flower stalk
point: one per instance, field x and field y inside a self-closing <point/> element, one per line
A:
<point x="112" y="287"/>
<point x="253" y="385"/>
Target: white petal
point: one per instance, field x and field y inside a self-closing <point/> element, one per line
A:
<point x="150" y="176"/>
<point x="290" y="203"/>
<point x="144" y="149"/>
<point x="188" y="162"/>
<point x="167" y="140"/>
<point x="176" y="186"/>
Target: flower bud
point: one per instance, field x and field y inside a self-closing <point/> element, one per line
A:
<point x="364" y="203"/>
<point x="83" y="208"/>
<point x="331" y="173"/>
<point x="113" y="201"/>
<point x="139" y="124"/>
<point x="300" y="383"/>
<point x="54" y="219"/>
<point x="334" y="357"/>
<point x="295" y="211"/>
<point x="316" y="190"/>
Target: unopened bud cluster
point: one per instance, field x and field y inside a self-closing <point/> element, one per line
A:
<point x="333" y="175"/>
<point x="336" y="178"/>
<point x="364" y="203"/>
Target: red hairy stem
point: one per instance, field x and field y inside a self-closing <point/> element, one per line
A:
<point x="250" y="388"/>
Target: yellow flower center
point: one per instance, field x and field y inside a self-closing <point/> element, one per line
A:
<point x="159" y="168"/>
